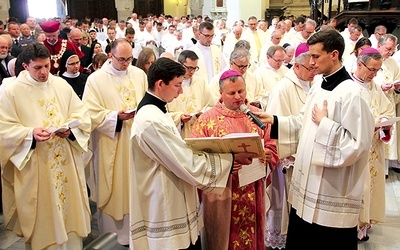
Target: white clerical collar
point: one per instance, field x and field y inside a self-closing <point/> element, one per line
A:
<point x="268" y="66"/>
<point x="186" y="82"/>
<point x="361" y="82"/>
<point x="155" y="96"/>
<point x="69" y="75"/>
<point x="305" y="85"/>
<point x="332" y="73"/>
<point x="203" y="47"/>
<point x="29" y="77"/>
<point x="117" y="72"/>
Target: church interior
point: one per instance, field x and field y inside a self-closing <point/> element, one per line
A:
<point x="369" y="13"/>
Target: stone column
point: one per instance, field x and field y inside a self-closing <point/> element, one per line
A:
<point x="124" y="8"/>
<point x="4" y="7"/>
<point x="195" y="7"/>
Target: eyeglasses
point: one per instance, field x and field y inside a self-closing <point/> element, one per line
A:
<point x="309" y="69"/>
<point x="242" y="67"/>
<point x="208" y="36"/>
<point x="191" y="68"/>
<point x="73" y="63"/>
<point x="309" y="32"/>
<point x="371" y="70"/>
<point x="123" y="60"/>
<point x="278" y="61"/>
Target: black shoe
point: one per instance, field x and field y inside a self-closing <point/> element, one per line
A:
<point x="366" y="238"/>
<point x="397" y="170"/>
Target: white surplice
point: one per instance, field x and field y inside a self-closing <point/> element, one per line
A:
<point x="328" y="176"/>
<point x="165" y="175"/>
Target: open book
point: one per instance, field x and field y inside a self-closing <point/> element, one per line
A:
<point x="62" y="129"/>
<point x="199" y="111"/>
<point x="387" y="122"/>
<point x="128" y="111"/>
<point x="231" y="143"/>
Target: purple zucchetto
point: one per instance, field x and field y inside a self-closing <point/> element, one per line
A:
<point x="368" y="51"/>
<point x="229" y="73"/>
<point x="301" y="48"/>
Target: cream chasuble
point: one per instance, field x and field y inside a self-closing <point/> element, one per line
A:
<point x="391" y="72"/>
<point x="269" y="77"/>
<point x="195" y="97"/>
<point x="106" y="93"/>
<point x="373" y="209"/>
<point x="216" y="62"/>
<point x="44" y="189"/>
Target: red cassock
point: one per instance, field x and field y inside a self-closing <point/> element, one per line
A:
<point x="56" y="52"/>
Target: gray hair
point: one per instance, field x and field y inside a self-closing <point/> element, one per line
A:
<point x="387" y="37"/>
<point x="366" y="57"/>
<point x="380" y="28"/>
<point x="242" y="44"/>
<point x="302" y="58"/>
<point x="310" y="22"/>
<point x="354" y="28"/>
<point x="241" y="54"/>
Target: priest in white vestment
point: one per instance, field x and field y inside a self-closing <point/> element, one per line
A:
<point x="369" y="63"/>
<point x="231" y="39"/>
<point x="211" y="61"/>
<point x="286" y="99"/>
<point x="351" y="41"/>
<point x="379" y="31"/>
<point x="276" y="39"/>
<point x="195" y="99"/>
<point x="255" y="37"/>
<point x="42" y="170"/>
<point x="386" y="78"/>
<point x="240" y="61"/>
<point x="165" y="172"/>
<point x="302" y="36"/>
<point x="332" y="137"/>
<point x="112" y="94"/>
<point x="273" y="70"/>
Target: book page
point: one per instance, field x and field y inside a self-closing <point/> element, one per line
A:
<point x="200" y="111"/>
<point x="234" y="143"/>
<point x="388" y="122"/>
<point x="128" y="111"/>
<point x="241" y="135"/>
<point x="251" y="173"/>
<point x="73" y="124"/>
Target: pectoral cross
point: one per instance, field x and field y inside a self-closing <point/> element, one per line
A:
<point x="244" y="146"/>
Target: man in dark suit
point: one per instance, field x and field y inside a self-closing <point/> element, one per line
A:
<point x="23" y="40"/>
<point x="76" y="39"/>
<point x="4" y="59"/>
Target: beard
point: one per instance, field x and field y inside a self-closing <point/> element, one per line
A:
<point x="3" y="55"/>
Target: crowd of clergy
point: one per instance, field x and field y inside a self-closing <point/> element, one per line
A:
<point x="94" y="78"/>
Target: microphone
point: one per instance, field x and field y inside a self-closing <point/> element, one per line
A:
<point x="255" y="119"/>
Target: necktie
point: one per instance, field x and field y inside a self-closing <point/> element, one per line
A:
<point x="16" y="41"/>
<point x="3" y="67"/>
